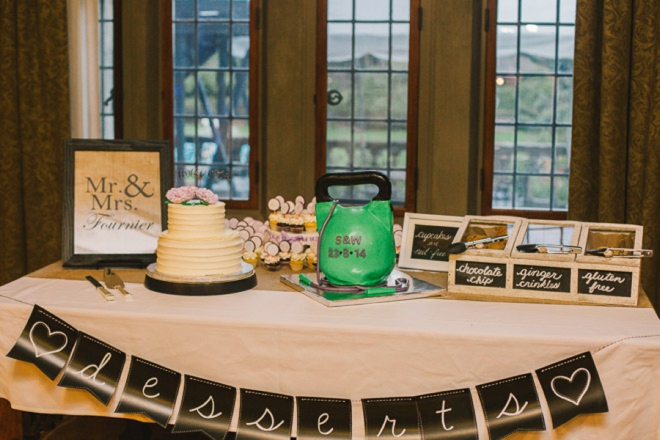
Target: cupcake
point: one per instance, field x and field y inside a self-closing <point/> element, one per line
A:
<point x="283" y="223"/>
<point x="309" y="220"/>
<point x="273" y="220"/>
<point x="311" y="259"/>
<point x="285" y="257"/>
<point x="251" y="258"/>
<point x="296" y="224"/>
<point x="297" y="262"/>
<point x="272" y="262"/>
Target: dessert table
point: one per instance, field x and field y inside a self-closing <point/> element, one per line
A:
<point x="277" y="340"/>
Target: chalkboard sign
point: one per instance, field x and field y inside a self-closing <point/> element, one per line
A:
<point x="425" y="241"/>
<point x="472" y="273"/>
<point x="547" y="279"/>
<point x="605" y="282"/>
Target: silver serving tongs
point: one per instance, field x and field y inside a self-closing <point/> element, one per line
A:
<point x="609" y="252"/>
<point x="548" y="249"/>
<point x="113" y="281"/>
<point x="462" y="246"/>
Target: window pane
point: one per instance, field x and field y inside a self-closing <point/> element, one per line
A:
<point x="567" y="11"/>
<point x="505" y="101"/>
<point x="371" y="95"/>
<point x="183" y="10"/>
<point x="184" y="93"/>
<point x="370" y="145"/>
<point x="398" y="140"/>
<point x="339" y="95"/>
<point x="537" y="48"/>
<point x="507" y="11"/>
<point x="401" y="10"/>
<point x="507" y="49"/>
<point x="372" y="46"/>
<point x="536" y="99"/>
<point x="400" y="46"/>
<point x="240" y="94"/>
<point x="240" y="45"/>
<point x="560" y="194"/>
<point x="213" y="45"/>
<point x="240" y="10"/>
<point x="504" y="141"/>
<point x="340" y="41"/>
<point x="564" y="100"/>
<point x="399" y="96"/>
<point x="562" y="150"/>
<point x="372" y="10"/>
<point x="339" y="144"/>
<point x="534" y="150"/>
<point x="533" y="192"/>
<point x="340" y="9"/>
<point x="184" y="43"/>
<point x="213" y="9"/>
<point x="566" y="49"/>
<point x="240" y="141"/>
<point x="538" y="11"/>
<point x="503" y="191"/>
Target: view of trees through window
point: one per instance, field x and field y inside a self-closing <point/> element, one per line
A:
<point x="106" y="68"/>
<point x="211" y="61"/>
<point x="533" y="104"/>
<point x="368" y="44"/>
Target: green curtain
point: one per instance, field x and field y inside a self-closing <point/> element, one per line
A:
<point x="615" y="162"/>
<point x="34" y="121"/>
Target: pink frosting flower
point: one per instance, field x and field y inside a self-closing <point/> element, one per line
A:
<point x="207" y="196"/>
<point x="181" y="194"/>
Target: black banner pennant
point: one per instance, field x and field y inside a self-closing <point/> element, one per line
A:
<point x="320" y="418"/>
<point x="46" y="341"/>
<point x="206" y="407"/>
<point x="572" y="387"/>
<point x="264" y="416"/>
<point x="391" y="418"/>
<point x="511" y="405"/>
<point x="94" y="366"/>
<point x="447" y="416"/>
<point x="150" y="390"/>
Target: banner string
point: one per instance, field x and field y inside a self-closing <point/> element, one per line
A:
<point x="593" y="351"/>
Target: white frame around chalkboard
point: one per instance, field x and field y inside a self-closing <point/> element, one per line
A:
<point x="411" y="220"/>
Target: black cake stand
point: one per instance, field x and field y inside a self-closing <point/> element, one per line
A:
<point x="246" y="279"/>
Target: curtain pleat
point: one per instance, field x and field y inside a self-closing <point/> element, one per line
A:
<point x="34" y="121"/>
<point x="615" y="168"/>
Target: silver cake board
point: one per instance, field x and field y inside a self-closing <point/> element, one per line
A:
<point x="246" y="279"/>
<point x="417" y="289"/>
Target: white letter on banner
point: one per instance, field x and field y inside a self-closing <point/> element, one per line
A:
<point x="323" y="419"/>
<point x="211" y="415"/>
<point x="518" y="408"/>
<point x="272" y="421"/>
<point x="387" y="419"/>
<point x="150" y="384"/>
<point x="97" y="368"/>
<point x="443" y="411"/>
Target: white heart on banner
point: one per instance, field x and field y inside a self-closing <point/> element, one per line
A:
<point x="50" y="334"/>
<point x="570" y="380"/>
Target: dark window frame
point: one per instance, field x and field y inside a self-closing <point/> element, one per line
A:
<point x="412" y="120"/>
<point x="488" y="171"/>
<point x="167" y="63"/>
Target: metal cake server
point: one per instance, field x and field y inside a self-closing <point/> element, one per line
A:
<point x="113" y="281"/>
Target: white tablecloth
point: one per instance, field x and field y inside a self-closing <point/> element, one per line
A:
<point x="284" y="342"/>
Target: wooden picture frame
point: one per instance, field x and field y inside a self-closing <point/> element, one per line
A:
<point x="114" y="201"/>
<point x="425" y="240"/>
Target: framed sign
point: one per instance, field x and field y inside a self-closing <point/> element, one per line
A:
<point x="425" y="241"/>
<point x="114" y="201"/>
